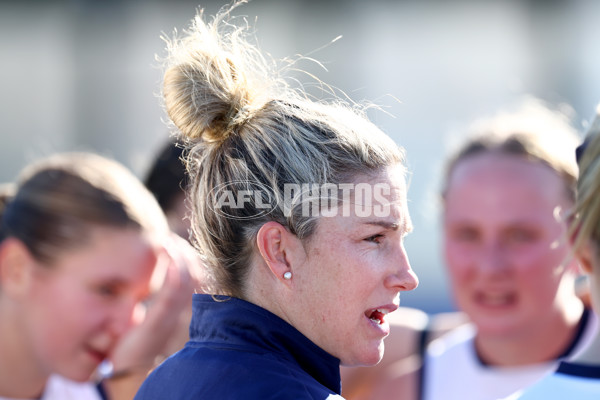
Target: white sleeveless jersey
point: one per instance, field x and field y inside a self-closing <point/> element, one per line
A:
<point x="452" y="369"/>
<point x="59" y="388"/>
<point x="571" y="381"/>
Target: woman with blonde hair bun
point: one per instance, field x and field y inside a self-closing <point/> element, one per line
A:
<point x="299" y="210"/>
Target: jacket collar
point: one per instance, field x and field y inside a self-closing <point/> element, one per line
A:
<point x="235" y="322"/>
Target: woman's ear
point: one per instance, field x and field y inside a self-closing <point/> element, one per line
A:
<point x="278" y="248"/>
<point x="16" y="263"/>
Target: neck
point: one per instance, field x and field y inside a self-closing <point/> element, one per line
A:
<point x="263" y="290"/>
<point x="17" y="377"/>
<point x="534" y="345"/>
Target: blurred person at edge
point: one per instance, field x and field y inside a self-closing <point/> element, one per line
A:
<point x="579" y="378"/>
<point x="167" y="180"/>
<point x="295" y="292"/>
<point x="506" y="191"/>
<point x="83" y="245"/>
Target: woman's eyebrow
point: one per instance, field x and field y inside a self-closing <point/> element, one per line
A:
<point x="404" y="226"/>
<point x="394" y="226"/>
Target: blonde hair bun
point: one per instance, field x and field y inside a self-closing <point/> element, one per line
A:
<point x="212" y="79"/>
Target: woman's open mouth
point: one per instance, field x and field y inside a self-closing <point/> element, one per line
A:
<point x="97" y="355"/>
<point x="496" y="300"/>
<point x="377" y="315"/>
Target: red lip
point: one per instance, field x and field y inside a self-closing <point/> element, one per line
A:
<point x="98" y="355"/>
<point x="378" y="313"/>
<point x="388" y="308"/>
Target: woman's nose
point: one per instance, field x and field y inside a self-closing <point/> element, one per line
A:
<point x="492" y="258"/>
<point x="404" y="280"/>
<point x="402" y="276"/>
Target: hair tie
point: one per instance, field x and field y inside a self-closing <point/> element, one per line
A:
<point x="240" y="118"/>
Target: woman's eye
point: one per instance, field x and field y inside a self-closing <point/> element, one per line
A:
<point x="465" y="235"/>
<point x="107" y="290"/>
<point x="375" y="238"/>
<point x="521" y="236"/>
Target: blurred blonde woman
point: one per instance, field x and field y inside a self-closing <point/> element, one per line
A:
<point x="579" y="378"/>
<point x="505" y="193"/>
<point x="299" y="208"/>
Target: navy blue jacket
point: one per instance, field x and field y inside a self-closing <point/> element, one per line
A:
<point x="238" y="350"/>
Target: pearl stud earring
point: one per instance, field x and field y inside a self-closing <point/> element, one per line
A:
<point x="287" y="275"/>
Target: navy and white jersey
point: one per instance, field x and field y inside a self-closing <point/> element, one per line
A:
<point x="452" y="370"/>
<point x="570" y="381"/>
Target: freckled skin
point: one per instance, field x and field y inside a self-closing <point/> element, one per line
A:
<point x="352" y="267"/>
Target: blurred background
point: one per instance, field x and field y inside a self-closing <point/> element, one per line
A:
<point x="82" y="75"/>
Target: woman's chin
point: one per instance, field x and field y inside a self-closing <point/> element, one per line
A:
<point x="79" y="375"/>
<point x="365" y="358"/>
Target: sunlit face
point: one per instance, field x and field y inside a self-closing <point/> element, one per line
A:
<point x="504" y="245"/>
<point x="80" y="306"/>
<point x="355" y="266"/>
